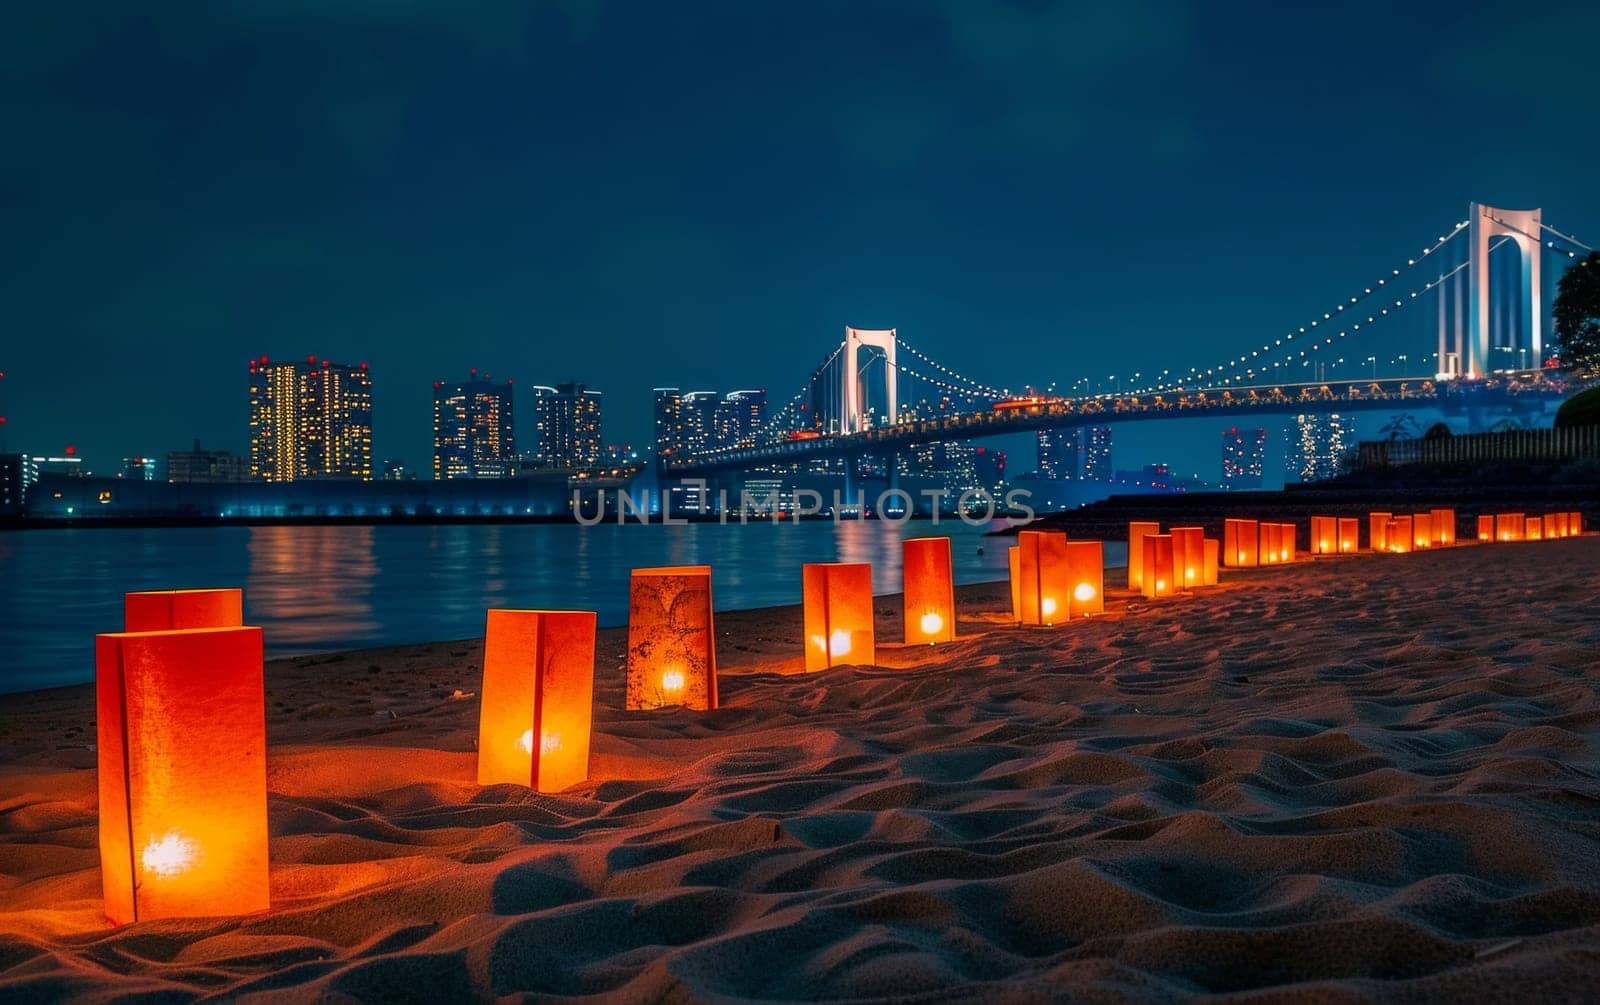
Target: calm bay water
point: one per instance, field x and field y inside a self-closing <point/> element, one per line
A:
<point x="321" y="589"/>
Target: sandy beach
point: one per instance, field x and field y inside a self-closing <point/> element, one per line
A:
<point x="1369" y="777"/>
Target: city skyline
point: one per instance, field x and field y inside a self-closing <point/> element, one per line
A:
<point x="973" y="191"/>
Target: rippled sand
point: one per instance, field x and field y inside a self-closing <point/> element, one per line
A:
<point x="1372" y="777"/>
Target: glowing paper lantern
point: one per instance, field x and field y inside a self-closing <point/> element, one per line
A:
<point x="1272" y="550"/>
<point x="1043" y="577"/>
<point x="166" y="610"/>
<point x="1188" y="556"/>
<point x="1509" y="526"/>
<point x="1444" y="527"/>
<point x="1160" y="568"/>
<point x="838" y="614"/>
<point x="183" y="779"/>
<point x="538" y="698"/>
<point x="1324" y="535"/>
<point x="1421" y="530"/>
<point x="1535" y="528"/>
<point x="1014" y="558"/>
<point x="1400" y="535"/>
<point x="672" y="652"/>
<point x="1286" y="543"/>
<point x="928" y="591"/>
<point x="1211" y="549"/>
<point x="1086" y="571"/>
<point x="1239" y="543"/>
<point x="1349" y="535"/>
<point x="1378" y="530"/>
<point x="1575" y="523"/>
<point x="1137" y="532"/>
<point x="1555" y="525"/>
<point x="1486" y="528"/>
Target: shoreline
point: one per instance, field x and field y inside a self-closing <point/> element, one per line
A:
<point x="1364" y="776"/>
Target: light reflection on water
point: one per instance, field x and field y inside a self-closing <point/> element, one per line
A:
<point x="318" y="589"/>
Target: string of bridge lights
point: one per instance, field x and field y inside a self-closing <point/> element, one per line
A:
<point x="786" y="413"/>
<point x="984" y="390"/>
<point x="945" y="385"/>
<point x="1312" y="327"/>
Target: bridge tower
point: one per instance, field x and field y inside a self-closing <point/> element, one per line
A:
<point x="1521" y="226"/>
<point x="854" y="419"/>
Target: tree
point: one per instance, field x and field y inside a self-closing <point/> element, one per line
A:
<point x="1577" y="316"/>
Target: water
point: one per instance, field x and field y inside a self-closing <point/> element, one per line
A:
<point x="320" y="589"/>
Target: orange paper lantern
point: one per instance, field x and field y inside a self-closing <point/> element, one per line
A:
<point x="1535" y="528"/>
<point x="838" y="614"/>
<point x="1575" y="523"/>
<point x="1211" y="548"/>
<point x="1240" y="547"/>
<point x="1349" y="535"/>
<point x="1188" y="556"/>
<point x="1324" y="535"/>
<point x="1486" y="528"/>
<point x="1399" y="535"/>
<point x="538" y="698"/>
<point x="1086" y="571"/>
<point x="1444" y="527"/>
<point x="1509" y="526"/>
<point x="1273" y="549"/>
<point x="1014" y="559"/>
<point x="1043" y="578"/>
<point x="672" y="651"/>
<point x="182" y="773"/>
<point x="1421" y="530"/>
<point x="1378" y="530"/>
<point x="1160" y="566"/>
<point x="1137" y="532"/>
<point x="928" y="590"/>
<point x="1556" y="523"/>
<point x="167" y="610"/>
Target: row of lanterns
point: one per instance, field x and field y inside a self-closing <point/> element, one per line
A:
<point x="181" y="699"/>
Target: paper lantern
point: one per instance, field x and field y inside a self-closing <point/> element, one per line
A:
<point x="838" y="614"/>
<point x="1378" y="530"/>
<point x="1559" y="524"/>
<point x="167" y="610"/>
<point x="1272" y="546"/>
<point x="1399" y="535"/>
<point x="1240" y="547"/>
<point x="1509" y="526"/>
<point x="1421" y="530"/>
<point x="1086" y="572"/>
<point x="1535" y="529"/>
<point x="1349" y="535"/>
<point x="1137" y="532"/>
<point x="1014" y="559"/>
<point x="537" y="698"/>
<point x="928" y="591"/>
<point x="1575" y="523"/>
<point x="1160" y="569"/>
<point x="1045" y="582"/>
<point x="1188" y="556"/>
<point x="1324" y="535"/>
<point x="1287" y="543"/>
<point x="1444" y="527"/>
<point x="1211" y="549"/>
<point x="182" y="773"/>
<point x="672" y="651"/>
<point x="1485" y="528"/>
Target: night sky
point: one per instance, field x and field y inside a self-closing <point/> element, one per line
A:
<point x="704" y="194"/>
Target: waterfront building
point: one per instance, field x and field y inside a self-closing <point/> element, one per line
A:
<point x="1318" y="446"/>
<point x="310" y="420"/>
<point x="139" y="469"/>
<point x="473" y="429"/>
<point x="1243" y="454"/>
<point x="1082" y="452"/>
<point x="199" y="466"/>
<point x="566" y="421"/>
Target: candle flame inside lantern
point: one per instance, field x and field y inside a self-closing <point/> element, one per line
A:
<point x="1084" y="592"/>
<point x="932" y="623"/>
<point x="168" y="855"/>
<point x="1161" y="584"/>
<point x="839" y="643"/>
<point x="1047" y="606"/>
<point x="672" y="681"/>
<point x="525" y="742"/>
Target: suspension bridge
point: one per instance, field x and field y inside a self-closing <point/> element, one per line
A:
<point x="1458" y="326"/>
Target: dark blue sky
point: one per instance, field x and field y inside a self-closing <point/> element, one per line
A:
<point x="703" y="194"/>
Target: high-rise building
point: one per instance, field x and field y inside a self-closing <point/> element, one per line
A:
<point x="1317" y="446"/>
<point x="310" y="420"/>
<point x="566" y="421"/>
<point x="668" y="414"/>
<point x="139" y="469"/>
<point x="740" y="416"/>
<point x="699" y="421"/>
<point x="1243" y="452"/>
<point x="1082" y="452"/>
<point x="473" y="434"/>
<point x="17" y="472"/>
